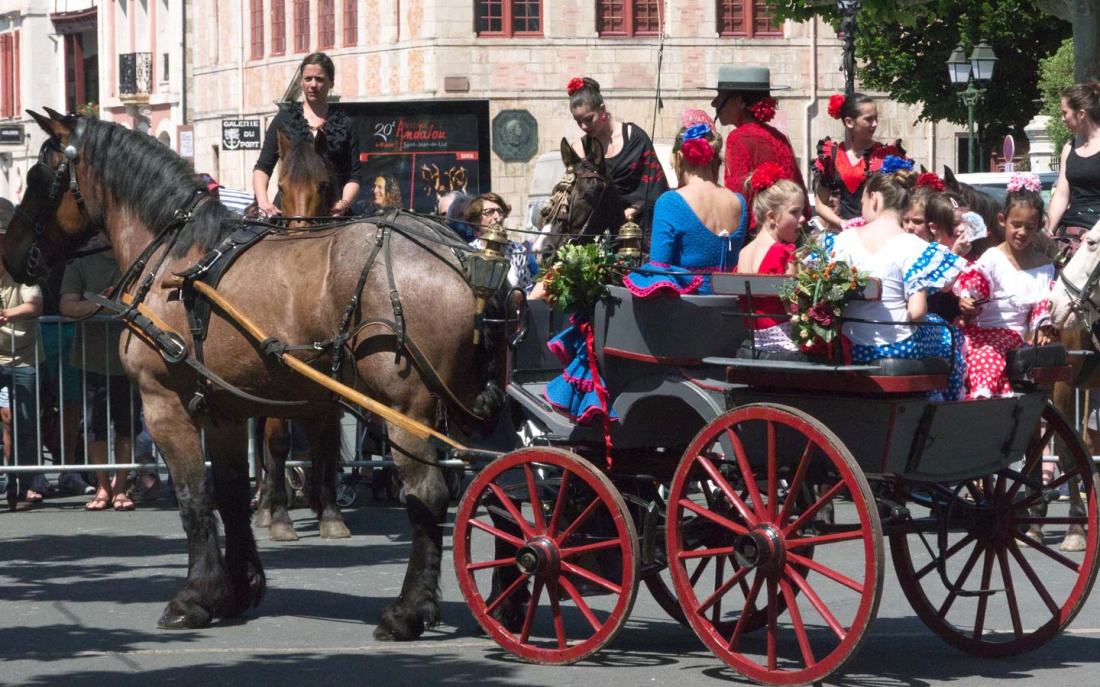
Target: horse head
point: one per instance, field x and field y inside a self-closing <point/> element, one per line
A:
<point x="306" y="184"/>
<point x="1075" y="299"/>
<point x="981" y="203"/>
<point x="54" y="218"/>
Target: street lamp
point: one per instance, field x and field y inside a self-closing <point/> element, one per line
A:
<point x="848" y="10"/>
<point x="978" y="69"/>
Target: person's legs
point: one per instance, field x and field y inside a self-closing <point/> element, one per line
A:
<point x="95" y="418"/>
<point x="24" y="402"/>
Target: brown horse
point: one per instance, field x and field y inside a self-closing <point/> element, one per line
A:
<point x="97" y="176"/>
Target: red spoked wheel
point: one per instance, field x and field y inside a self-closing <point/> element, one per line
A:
<point x="741" y="486"/>
<point x="546" y="555"/>
<point x="983" y="584"/>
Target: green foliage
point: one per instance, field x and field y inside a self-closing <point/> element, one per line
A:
<point x="580" y="274"/>
<point x="817" y="294"/>
<point x="1055" y="75"/>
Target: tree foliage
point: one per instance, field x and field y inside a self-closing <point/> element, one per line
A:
<point x="1055" y="75"/>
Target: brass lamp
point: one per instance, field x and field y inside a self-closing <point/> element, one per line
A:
<point x="630" y="243"/>
<point x="486" y="271"/>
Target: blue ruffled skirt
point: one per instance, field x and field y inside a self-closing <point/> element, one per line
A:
<point x="573" y="392"/>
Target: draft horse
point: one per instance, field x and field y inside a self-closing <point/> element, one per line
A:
<point x="97" y="176"/>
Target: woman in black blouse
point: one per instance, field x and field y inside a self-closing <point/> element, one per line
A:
<point x="301" y="120"/>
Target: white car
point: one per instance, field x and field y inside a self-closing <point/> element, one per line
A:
<point x="995" y="183"/>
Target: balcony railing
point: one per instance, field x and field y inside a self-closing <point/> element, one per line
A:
<point x="135" y="75"/>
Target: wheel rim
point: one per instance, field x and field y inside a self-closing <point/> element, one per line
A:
<point x="566" y="567"/>
<point x="986" y="548"/>
<point x="751" y="459"/>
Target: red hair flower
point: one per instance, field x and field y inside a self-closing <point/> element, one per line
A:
<point x="931" y="180"/>
<point x="764" y="109"/>
<point x="836" y="104"/>
<point x="766" y="175"/>
<point x="575" y="84"/>
<point x="697" y="152"/>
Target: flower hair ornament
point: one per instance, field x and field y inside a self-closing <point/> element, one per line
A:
<point x="765" y="176"/>
<point x="764" y="109"/>
<point x="893" y="163"/>
<point x="836" y="105"/>
<point x="1024" y="181"/>
<point x="575" y="84"/>
<point x="932" y="181"/>
<point x="689" y="118"/>
<point x="696" y="149"/>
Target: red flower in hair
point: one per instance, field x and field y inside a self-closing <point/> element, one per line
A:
<point x="575" y="84"/>
<point x="697" y="152"/>
<point x="766" y="175"/>
<point x="764" y="109"/>
<point x="836" y="104"/>
<point x="932" y="180"/>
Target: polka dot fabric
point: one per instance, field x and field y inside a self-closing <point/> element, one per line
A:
<point x="943" y="341"/>
<point x="985" y="361"/>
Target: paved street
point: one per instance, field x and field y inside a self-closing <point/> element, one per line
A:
<point x="81" y="593"/>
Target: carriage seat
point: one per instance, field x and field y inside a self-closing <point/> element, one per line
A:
<point x="907" y="367"/>
<point x="1031" y="363"/>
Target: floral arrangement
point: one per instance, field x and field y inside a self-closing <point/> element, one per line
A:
<point x="766" y="175"/>
<point x="1024" y="181"/>
<point x="817" y="295"/>
<point x="764" y="109"/>
<point x="579" y="275"/>
<point x="836" y="105"/>
<point x="696" y="148"/>
<point x="575" y="84"/>
<point x="931" y="180"/>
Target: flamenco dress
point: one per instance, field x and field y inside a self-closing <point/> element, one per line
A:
<point x="835" y="170"/>
<point x="752" y="144"/>
<point x="1017" y="302"/>
<point x="771" y="331"/>
<point x="905" y="266"/>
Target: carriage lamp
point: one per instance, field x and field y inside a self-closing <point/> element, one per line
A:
<point x="486" y="271"/>
<point x="630" y="242"/>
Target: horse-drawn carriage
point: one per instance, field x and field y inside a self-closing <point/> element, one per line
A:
<point x="754" y="497"/>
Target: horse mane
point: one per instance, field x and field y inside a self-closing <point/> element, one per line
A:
<point x="303" y="164"/>
<point x="143" y="175"/>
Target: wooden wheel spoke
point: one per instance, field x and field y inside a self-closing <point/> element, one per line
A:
<point x="555" y="614"/>
<point x="1048" y="552"/>
<point x="720" y="481"/>
<point x="592" y="577"/>
<point x="1010" y="592"/>
<point x="559" y="504"/>
<point x="1035" y="456"/>
<point x="964" y="574"/>
<point x="1051" y="520"/>
<point x="512" y="509"/>
<point x="773" y="470"/>
<point x="1037" y="583"/>
<point x="595" y="546"/>
<point x="1054" y="484"/>
<point x="746" y="610"/>
<point x="532" y="609"/>
<point x="498" y="533"/>
<point x="817" y="603"/>
<point x="796" y="620"/>
<point x="737" y="577"/>
<point x="564" y="536"/>
<point x="746" y="474"/>
<point x="983" y="600"/>
<point x="828" y="572"/>
<point x="519" y="581"/>
<point x="773" y="629"/>
<point x="824" y="539"/>
<point x="533" y="494"/>
<point x="713" y="517"/>
<point x="796" y="482"/>
<point x="582" y="605"/>
<point x="699" y="570"/>
<point x="814" y="508"/>
<point x="951" y="551"/>
<point x="705" y="553"/>
<point x="498" y="563"/>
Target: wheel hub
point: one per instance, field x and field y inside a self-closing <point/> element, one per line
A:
<point x="760" y="548"/>
<point x="538" y="556"/>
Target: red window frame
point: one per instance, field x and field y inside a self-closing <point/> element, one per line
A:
<point x="301" y="25"/>
<point x="751" y="13"/>
<point x="622" y="18"/>
<point x="351" y="22"/>
<point x="505" y="11"/>
<point x="256" y="38"/>
<point x="278" y="27"/>
<point x="7" y="76"/>
<point x="326" y="24"/>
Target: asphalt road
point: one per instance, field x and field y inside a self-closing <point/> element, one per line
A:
<point x="81" y="593"/>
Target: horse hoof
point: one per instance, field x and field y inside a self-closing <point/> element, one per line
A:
<point x="1073" y="542"/>
<point x="262" y="518"/>
<point x="1035" y="534"/>
<point x="191" y="618"/>
<point x="282" y="531"/>
<point x="404" y="624"/>
<point x="334" y="529"/>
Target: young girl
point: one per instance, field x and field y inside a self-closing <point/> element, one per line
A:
<point x="915" y="219"/>
<point x="1003" y="295"/>
<point x="777" y="206"/>
<point x="943" y="213"/>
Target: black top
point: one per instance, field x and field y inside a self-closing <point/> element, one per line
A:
<point x="341" y="139"/>
<point x="1083" y="177"/>
<point x="637" y="173"/>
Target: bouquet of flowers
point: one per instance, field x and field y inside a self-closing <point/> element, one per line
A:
<point x="579" y="275"/>
<point x="816" y="296"/>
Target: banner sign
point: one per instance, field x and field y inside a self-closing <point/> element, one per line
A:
<point x="241" y="134"/>
<point x="412" y="153"/>
<point x="11" y="133"/>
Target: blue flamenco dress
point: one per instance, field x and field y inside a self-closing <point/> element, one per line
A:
<point x="683" y="250"/>
<point x="577" y="391"/>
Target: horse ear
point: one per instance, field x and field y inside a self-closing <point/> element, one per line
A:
<point x="284" y="143"/>
<point x="569" y="156"/>
<point x="320" y="144"/>
<point x="52" y="127"/>
<point x="949" y="176"/>
<point x="923" y="169"/>
<point x="593" y="150"/>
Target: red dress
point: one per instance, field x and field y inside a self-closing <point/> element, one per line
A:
<point x="772" y="332"/>
<point x="750" y="145"/>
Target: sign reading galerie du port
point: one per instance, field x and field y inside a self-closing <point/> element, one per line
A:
<point x="240" y="134"/>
